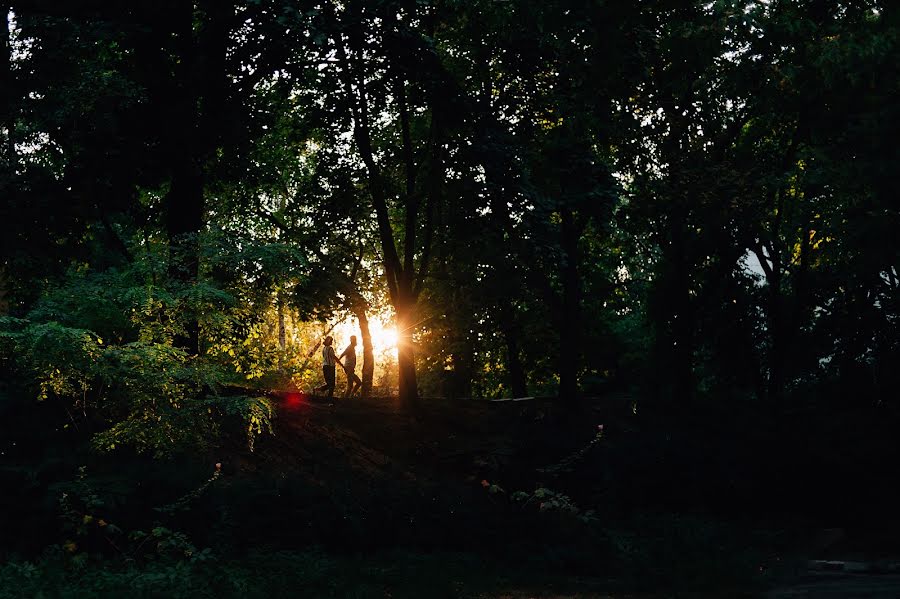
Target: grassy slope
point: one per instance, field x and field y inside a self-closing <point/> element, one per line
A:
<point x="360" y="499"/>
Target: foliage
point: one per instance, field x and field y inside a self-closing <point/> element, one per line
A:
<point x="687" y="209"/>
<point x="550" y="501"/>
<point x="141" y="390"/>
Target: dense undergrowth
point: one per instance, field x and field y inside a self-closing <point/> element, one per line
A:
<point x="357" y="501"/>
<point x="299" y="514"/>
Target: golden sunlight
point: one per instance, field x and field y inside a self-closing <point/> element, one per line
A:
<point x="384" y="335"/>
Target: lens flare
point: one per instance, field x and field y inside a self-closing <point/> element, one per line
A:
<point x="295" y="400"/>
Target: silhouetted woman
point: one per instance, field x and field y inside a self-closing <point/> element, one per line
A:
<point x="328" y="362"/>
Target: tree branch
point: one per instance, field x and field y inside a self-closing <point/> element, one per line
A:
<point x="757" y="249"/>
<point x="393" y="270"/>
<point x="435" y="178"/>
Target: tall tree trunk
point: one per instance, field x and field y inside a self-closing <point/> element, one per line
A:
<point x="672" y="315"/>
<point x="184" y="219"/>
<point x="404" y="310"/>
<point x="4" y="305"/>
<point x="515" y="370"/>
<point x="570" y="321"/>
<point x="463" y="359"/>
<point x="368" y="363"/>
<point x="282" y="332"/>
<point x="777" y="339"/>
<point x="769" y="260"/>
<point x="7" y="121"/>
<point x="7" y="103"/>
<point x="777" y="330"/>
<point x="197" y="94"/>
<point x="517" y="379"/>
<point x="404" y="281"/>
<point x="184" y="202"/>
<point x="682" y="319"/>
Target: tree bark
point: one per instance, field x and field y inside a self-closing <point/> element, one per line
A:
<point x="404" y="281"/>
<point x="197" y="92"/>
<point x="672" y="313"/>
<point x="405" y="310"/>
<point x="282" y="332"/>
<point x="7" y="84"/>
<point x="8" y="121"/>
<point x="570" y="317"/>
<point x="776" y="307"/>
<point x="368" y="362"/>
<point x="514" y="369"/>
<point x="4" y="305"/>
<point x="183" y="203"/>
<point x="184" y="219"/>
<point x="682" y="321"/>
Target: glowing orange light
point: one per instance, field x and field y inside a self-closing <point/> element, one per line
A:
<point x="388" y="338"/>
<point x="384" y="335"/>
<point x="295" y="400"/>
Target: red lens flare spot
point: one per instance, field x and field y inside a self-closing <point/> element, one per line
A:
<point x="295" y="400"/>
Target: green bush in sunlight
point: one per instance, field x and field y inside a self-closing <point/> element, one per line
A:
<point x="103" y="345"/>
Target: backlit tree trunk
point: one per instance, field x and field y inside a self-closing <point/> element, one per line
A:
<point x="282" y="333"/>
<point x="404" y="309"/>
<point x="403" y="276"/>
<point x="514" y="368"/>
<point x="368" y="362"/>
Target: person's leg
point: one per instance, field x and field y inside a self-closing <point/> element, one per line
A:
<point x="329" y="380"/>
<point x="350" y="376"/>
<point x="321" y="388"/>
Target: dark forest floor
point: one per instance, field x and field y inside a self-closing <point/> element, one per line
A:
<point x="485" y="499"/>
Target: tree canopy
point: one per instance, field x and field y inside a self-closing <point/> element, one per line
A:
<point x="692" y="200"/>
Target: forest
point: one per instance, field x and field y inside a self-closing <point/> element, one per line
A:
<point x="624" y="276"/>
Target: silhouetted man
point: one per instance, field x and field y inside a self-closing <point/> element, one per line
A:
<point x="353" y="382"/>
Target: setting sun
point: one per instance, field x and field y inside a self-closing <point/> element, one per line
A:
<point x="384" y="336"/>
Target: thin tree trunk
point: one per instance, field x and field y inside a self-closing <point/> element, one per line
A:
<point x="400" y="276"/>
<point x="777" y="340"/>
<point x="183" y="204"/>
<point x="462" y="358"/>
<point x="4" y="305"/>
<point x="184" y="218"/>
<point x="570" y="322"/>
<point x="404" y="309"/>
<point x="682" y="321"/>
<point x="514" y="369"/>
<point x="8" y="121"/>
<point x="282" y="332"/>
<point x="368" y="363"/>
<point x="197" y="92"/>
<point x="672" y="315"/>
<point x="7" y="84"/>
<point x="776" y="306"/>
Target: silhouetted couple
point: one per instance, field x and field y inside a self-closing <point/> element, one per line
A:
<point x="329" y="359"/>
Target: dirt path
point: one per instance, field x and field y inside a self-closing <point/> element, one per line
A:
<point x="451" y="447"/>
<point x="840" y="585"/>
<point x="464" y="440"/>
